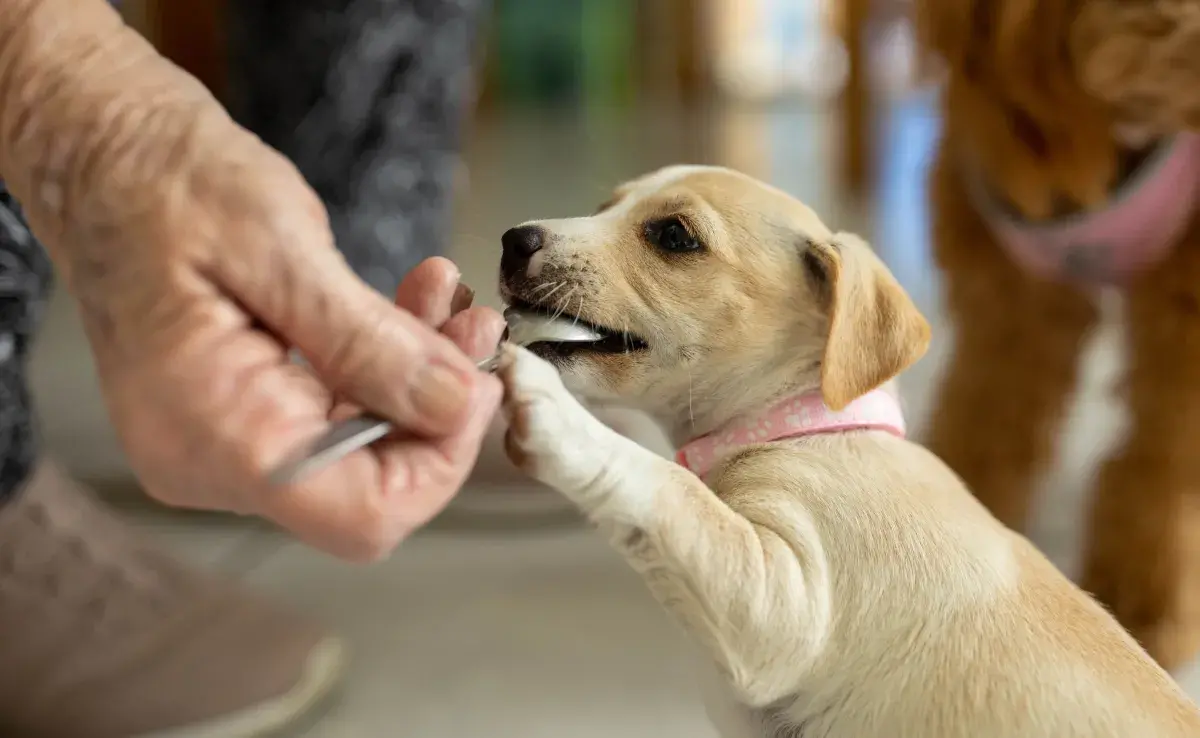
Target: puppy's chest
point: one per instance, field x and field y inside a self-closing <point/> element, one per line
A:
<point x="779" y="723"/>
<point x="739" y="721"/>
<point x="735" y="720"/>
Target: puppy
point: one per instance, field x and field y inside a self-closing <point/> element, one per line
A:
<point x="843" y="580"/>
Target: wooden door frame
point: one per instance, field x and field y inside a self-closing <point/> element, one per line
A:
<point x="857" y="107"/>
<point x="191" y="33"/>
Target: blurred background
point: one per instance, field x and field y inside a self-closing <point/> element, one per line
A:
<point x="508" y="617"/>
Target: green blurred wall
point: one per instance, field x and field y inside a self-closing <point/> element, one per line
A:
<point x="564" y="52"/>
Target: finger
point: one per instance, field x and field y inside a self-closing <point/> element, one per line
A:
<point x="360" y="508"/>
<point x="388" y="361"/>
<point x="344" y="411"/>
<point x="362" y="347"/>
<point x="423" y="293"/>
<point x="476" y="331"/>
<point x="429" y="291"/>
<point x="292" y="278"/>
<point x="464" y="296"/>
<point x="338" y="509"/>
<point x="423" y="478"/>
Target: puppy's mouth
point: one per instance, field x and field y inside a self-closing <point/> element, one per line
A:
<point x="611" y="341"/>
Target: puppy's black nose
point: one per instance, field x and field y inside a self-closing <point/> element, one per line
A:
<point x="519" y="245"/>
<point x="522" y="242"/>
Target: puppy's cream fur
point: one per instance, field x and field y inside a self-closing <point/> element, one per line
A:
<point x="845" y="585"/>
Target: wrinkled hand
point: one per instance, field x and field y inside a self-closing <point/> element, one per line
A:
<point x="192" y="357"/>
<point x="191" y="331"/>
<point x="198" y="257"/>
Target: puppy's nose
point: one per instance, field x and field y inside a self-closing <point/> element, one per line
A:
<point x="522" y="242"/>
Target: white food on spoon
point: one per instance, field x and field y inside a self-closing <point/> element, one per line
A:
<point x="526" y="327"/>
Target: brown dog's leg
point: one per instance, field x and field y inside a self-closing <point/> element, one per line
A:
<point x="1015" y="358"/>
<point x="1143" y="556"/>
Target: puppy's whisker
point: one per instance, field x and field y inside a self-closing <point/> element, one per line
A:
<point x="553" y="287"/>
<point x="580" y="311"/>
<point x="563" y="307"/>
<point x="545" y="286"/>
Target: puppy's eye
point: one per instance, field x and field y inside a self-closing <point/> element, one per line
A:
<point x="671" y="235"/>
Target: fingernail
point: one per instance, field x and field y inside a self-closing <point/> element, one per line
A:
<point x="440" y="394"/>
<point x="499" y="329"/>
<point x="499" y="325"/>
<point x="463" y="297"/>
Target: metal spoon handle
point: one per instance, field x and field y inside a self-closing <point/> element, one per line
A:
<point x="342" y="439"/>
<point x="339" y="441"/>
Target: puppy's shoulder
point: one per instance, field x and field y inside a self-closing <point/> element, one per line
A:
<point x="780" y="478"/>
<point x="756" y="460"/>
<point x="762" y="468"/>
<point x="839" y="462"/>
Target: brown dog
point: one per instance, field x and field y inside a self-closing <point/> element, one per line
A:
<point x="843" y="580"/>
<point x="1069" y="166"/>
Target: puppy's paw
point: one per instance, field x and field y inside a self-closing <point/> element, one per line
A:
<point x="550" y="436"/>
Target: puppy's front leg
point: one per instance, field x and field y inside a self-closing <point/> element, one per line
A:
<point x="759" y="602"/>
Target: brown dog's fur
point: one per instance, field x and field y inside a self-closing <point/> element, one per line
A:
<point x="1034" y="93"/>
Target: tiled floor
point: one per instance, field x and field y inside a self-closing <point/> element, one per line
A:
<point x="544" y="632"/>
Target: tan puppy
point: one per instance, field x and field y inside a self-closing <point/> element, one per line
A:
<point x="845" y="583"/>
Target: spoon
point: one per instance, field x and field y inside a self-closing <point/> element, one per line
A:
<point x="347" y="436"/>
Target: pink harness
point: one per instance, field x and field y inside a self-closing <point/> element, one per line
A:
<point x="795" y="417"/>
<point x="1135" y="230"/>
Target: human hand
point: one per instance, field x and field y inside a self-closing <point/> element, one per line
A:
<point x="206" y="402"/>
<point x="198" y="257"/>
<point x="193" y="362"/>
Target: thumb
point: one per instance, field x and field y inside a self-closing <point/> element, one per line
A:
<point x="292" y="279"/>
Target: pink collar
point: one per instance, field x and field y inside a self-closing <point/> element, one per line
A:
<point x="795" y="417"/>
<point x="1132" y="232"/>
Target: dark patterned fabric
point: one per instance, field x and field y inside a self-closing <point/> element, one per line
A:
<point x="25" y="278"/>
<point x="368" y="97"/>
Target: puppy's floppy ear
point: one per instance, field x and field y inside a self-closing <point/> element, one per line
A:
<point x="875" y="331"/>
